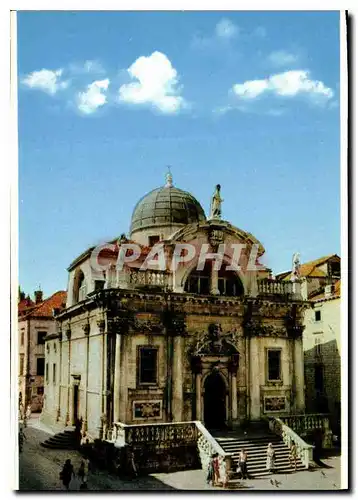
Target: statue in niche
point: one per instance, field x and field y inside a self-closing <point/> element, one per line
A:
<point x="215" y="210"/>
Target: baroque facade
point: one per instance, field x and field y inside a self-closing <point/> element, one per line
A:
<point x="190" y="342"/>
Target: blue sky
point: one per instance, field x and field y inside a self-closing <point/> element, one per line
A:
<point x="106" y="100"/>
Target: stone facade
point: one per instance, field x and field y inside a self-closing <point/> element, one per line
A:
<point x="35" y="322"/>
<point x="149" y="347"/>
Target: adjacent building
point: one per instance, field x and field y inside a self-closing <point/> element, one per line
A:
<point x="321" y="281"/>
<point x="35" y="322"/>
<point x="142" y="345"/>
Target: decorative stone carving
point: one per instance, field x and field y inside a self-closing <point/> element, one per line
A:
<point x="86" y="328"/>
<point x="147" y="409"/>
<point x="101" y="325"/>
<point x="147" y="326"/>
<point x="216" y="237"/>
<point x="275" y="403"/>
<point x="214" y="342"/>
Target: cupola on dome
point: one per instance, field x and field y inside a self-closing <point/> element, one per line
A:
<point x="166" y="206"/>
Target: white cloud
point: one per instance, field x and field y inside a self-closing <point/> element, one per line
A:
<point x="281" y="58"/>
<point x="94" y="97"/>
<point x="46" y="80"/>
<point x="288" y="84"/>
<point x="226" y="29"/>
<point x="156" y="84"/>
<point x="89" y="66"/>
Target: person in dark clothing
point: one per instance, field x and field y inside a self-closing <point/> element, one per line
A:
<point x="67" y="473"/>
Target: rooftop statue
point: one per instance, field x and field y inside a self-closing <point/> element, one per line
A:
<point x="215" y="210"/>
<point x="295" y="266"/>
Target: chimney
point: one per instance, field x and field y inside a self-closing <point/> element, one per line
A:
<point x="38" y="296"/>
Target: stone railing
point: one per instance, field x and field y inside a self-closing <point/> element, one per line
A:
<point x="273" y="287"/>
<point x="304" y="450"/>
<point x="171" y="435"/>
<point x="207" y="446"/>
<point x="146" y="278"/>
<point x="309" y="422"/>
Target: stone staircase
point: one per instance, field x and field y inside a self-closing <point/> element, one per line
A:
<point x="256" y="446"/>
<point x="65" y="440"/>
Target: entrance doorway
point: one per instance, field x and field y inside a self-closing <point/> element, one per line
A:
<point x="215" y="402"/>
<point x="75" y="404"/>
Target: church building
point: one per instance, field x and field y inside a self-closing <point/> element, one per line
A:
<point x="176" y="322"/>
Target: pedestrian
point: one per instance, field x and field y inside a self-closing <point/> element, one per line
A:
<point x="84" y="470"/>
<point x="22" y="438"/>
<point x="28" y="412"/>
<point x="216" y="467"/>
<point x="293" y="455"/>
<point x="243" y="463"/>
<point x="210" y="475"/>
<point x="132" y="465"/>
<point x="67" y="473"/>
<point x="270" y="460"/>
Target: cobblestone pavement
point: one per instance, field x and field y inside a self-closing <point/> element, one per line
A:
<point x="39" y="469"/>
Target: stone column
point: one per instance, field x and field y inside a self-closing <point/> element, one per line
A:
<point x="198" y="396"/>
<point x="233" y="366"/>
<point x="255" y="379"/>
<point x="214" y="280"/>
<point x="58" y="410"/>
<point x="122" y="389"/>
<point x="299" y="375"/>
<point x="177" y="401"/>
<point x="86" y="331"/>
<point x="196" y="368"/>
<point x="117" y="379"/>
<point x="68" y="335"/>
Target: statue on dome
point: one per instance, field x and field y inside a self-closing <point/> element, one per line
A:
<point x="169" y="178"/>
<point x="215" y="209"/>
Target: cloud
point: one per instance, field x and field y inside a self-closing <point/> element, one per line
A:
<point x="226" y="29"/>
<point x="89" y="66"/>
<point x="46" y="80"/>
<point x="287" y="84"/>
<point x="281" y="58"/>
<point x="94" y="97"/>
<point x="156" y="84"/>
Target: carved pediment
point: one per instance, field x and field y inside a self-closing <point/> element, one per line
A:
<point x="214" y="342"/>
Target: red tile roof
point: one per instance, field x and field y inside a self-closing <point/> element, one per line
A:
<point x="309" y="269"/>
<point x="45" y="308"/>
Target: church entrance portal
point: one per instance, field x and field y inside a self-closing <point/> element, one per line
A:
<point x="214" y="401"/>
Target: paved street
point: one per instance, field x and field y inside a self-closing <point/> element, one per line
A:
<point x="40" y="467"/>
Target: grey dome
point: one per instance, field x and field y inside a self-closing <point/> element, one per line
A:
<point x="166" y="206"/>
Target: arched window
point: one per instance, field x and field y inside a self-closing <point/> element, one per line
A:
<point x="199" y="281"/>
<point x="229" y="284"/>
<point x="79" y="287"/>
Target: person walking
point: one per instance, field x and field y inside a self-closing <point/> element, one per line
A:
<point x="210" y="475"/>
<point x="28" y="412"/>
<point x="22" y="438"/>
<point x="67" y="473"/>
<point x="243" y="463"/>
<point x="293" y="456"/>
<point x="270" y="460"/>
<point x="216" y="467"/>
